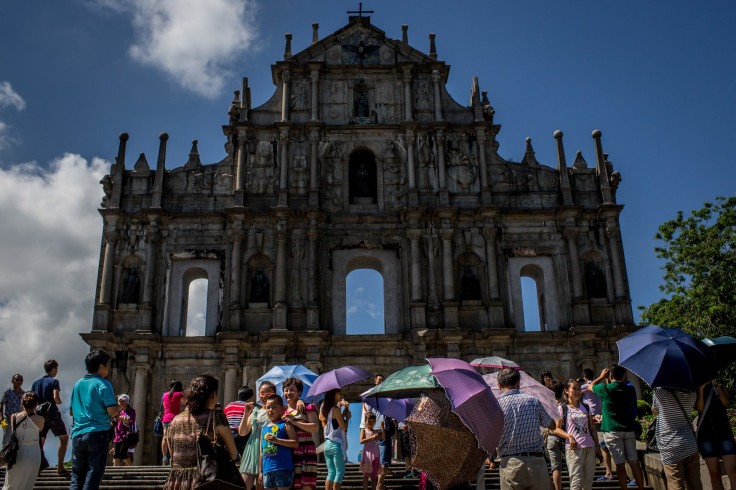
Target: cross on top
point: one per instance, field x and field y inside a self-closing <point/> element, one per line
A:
<point x="360" y="10"/>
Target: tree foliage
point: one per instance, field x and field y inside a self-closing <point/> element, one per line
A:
<point x="699" y="273"/>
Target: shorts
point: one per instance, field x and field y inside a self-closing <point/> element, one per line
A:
<point x="166" y="424"/>
<point x="621" y="445"/>
<point x="386" y="449"/>
<point x="54" y="423"/>
<point x="120" y="450"/>
<point x="555" y="449"/>
<point x="714" y="449"/>
<point x="278" y="479"/>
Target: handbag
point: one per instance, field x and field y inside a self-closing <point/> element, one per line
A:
<point x="652" y="437"/>
<point x="158" y="424"/>
<point x="9" y="452"/>
<point x="43" y="409"/>
<point x="213" y="459"/>
<point x="132" y="438"/>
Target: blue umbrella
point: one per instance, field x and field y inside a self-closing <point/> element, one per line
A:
<point x="724" y="349"/>
<point x="667" y="358"/>
<point x="396" y="408"/>
<point x="278" y="374"/>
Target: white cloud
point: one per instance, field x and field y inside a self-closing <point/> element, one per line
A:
<point x="193" y="41"/>
<point x="50" y="247"/>
<point x="9" y="97"/>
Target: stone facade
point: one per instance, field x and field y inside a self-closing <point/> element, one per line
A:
<point x="360" y="159"/>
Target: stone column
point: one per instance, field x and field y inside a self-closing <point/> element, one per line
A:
<point x="314" y="76"/>
<point x="447" y="269"/>
<point x="407" y="96"/>
<point x="437" y="78"/>
<point x="140" y="405"/>
<point x="297" y="253"/>
<point x="571" y="234"/>
<point x="490" y="236"/>
<point x="235" y="271"/>
<point x="286" y="95"/>
<point x="314" y="160"/>
<point x="230" y="388"/>
<point x="108" y="266"/>
<point x="416" y="272"/>
<point x="151" y="238"/>
<point x="615" y="251"/>
<point x="240" y="171"/>
<point x="284" y="160"/>
<point x="440" y="139"/>
<point x="410" y="171"/>
<point x="280" y="285"/>
<point x="432" y="286"/>
<point x="481" y="138"/>
<point x="312" y="281"/>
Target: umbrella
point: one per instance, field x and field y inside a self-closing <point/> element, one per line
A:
<point x="337" y="378"/>
<point x="396" y="408"/>
<point x="494" y="362"/>
<point x="667" y="358"/>
<point x="724" y="349"/>
<point x="444" y="447"/>
<point x="409" y="382"/>
<point x="471" y="398"/>
<point x="531" y="387"/>
<point x="278" y="374"/>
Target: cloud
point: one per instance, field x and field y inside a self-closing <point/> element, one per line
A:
<point x="50" y="250"/>
<point x="193" y="41"/>
<point x="9" y="98"/>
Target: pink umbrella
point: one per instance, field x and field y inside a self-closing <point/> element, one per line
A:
<point x="471" y="399"/>
<point x="337" y="378"/>
<point x="529" y="386"/>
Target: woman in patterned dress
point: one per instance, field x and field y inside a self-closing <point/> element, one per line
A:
<point x="306" y="422"/>
<point x="181" y="438"/>
<point x="254" y="418"/>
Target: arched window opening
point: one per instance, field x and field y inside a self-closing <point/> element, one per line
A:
<point x="196" y="302"/>
<point x="364" y="303"/>
<point x="532" y="305"/>
<point x="363" y="182"/>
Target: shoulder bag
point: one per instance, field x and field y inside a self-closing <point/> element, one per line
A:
<point x="9" y="452"/>
<point x="132" y="437"/>
<point x="213" y="459"/>
<point x="158" y="424"/>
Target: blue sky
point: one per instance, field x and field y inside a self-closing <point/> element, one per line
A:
<point x="657" y="78"/>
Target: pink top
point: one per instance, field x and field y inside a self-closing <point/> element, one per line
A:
<point x="172" y="406"/>
<point x="577" y="425"/>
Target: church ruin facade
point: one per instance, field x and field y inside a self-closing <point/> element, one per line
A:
<point x="361" y="159"/>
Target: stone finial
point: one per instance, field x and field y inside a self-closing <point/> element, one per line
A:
<point x="123" y="136"/>
<point x="405" y="33"/>
<point x="432" y="46"/>
<point x="562" y="170"/>
<point x="315" y="32"/>
<point x="142" y="164"/>
<point x="488" y="110"/>
<point x="194" y="160"/>
<point x="245" y="101"/>
<point x="234" y="110"/>
<point x="475" y="100"/>
<point x="287" y="49"/>
<point x="121" y="148"/>
<point x="529" y="158"/>
<point x="579" y="160"/>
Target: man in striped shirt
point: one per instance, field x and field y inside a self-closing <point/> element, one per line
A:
<point x="676" y="438"/>
<point x="521" y="447"/>
<point x="234" y="413"/>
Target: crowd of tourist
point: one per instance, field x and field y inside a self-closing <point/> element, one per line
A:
<point x="272" y="440"/>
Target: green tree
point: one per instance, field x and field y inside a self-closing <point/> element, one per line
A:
<point x="699" y="274"/>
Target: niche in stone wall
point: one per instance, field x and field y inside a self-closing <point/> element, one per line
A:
<point x="594" y="276"/>
<point x="130" y="282"/>
<point x="259" y="282"/>
<point x="362" y="181"/>
<point x="469" y="272"/>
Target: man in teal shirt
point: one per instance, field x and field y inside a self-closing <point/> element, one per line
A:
<point x="93" y="405"/>
<point x="618" y="422"/>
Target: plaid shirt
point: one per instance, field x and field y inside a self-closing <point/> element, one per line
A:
<point x="523" y="416"/>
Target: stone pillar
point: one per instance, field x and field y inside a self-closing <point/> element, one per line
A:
<point x="615" y="252"/>
<point x="151" y="238"/>
<point x="440" y="139"/>
<point x="447" y="269"/>
<point x="108" y="266"/>
<point x="416" y="271"/>
<point x="297" y="253"/>
<point x="410" y="171"/>
<point x="485" y="192"/>
<point x="280" y="285"/>
<point x="158" y="181"/>
<point x="230" y="388"/>
<point x="432" y="285"/>
<point x="240" y="171"/>
<point x="437" y="78"/>
<point x="235" y="271"/>
<point x="286" y="95"/>
<point x="492" y="268"/>
<point x="572" y="245"/>
<point x="314" y="164"/>
<point x="284" y="160"/>
<point x="312" y="281"/>
<point x="140" y="405"/>
<point x="407" y="96"/>
<point x="314" y="76"/>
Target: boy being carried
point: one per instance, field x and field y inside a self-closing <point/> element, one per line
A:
<point x="277" y="440"/>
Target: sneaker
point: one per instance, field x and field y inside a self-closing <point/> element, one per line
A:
<point x="604" y="478"/>
<point x="632" y="483"/>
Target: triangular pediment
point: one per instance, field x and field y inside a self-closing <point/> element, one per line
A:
<point x="361" y="43"/>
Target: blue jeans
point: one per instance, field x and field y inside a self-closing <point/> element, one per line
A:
<point x="89" y="455"/>
<point x="335" y="461"/>
<point x="386" y="449"/>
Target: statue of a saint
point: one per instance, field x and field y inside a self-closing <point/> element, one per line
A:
<point x="469" y="286"/>
<point x="259" y="287"/>
<point x="362" y="105"/>
<point x="131" y="287"/>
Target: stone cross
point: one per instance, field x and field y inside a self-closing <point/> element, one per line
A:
<point x="360" y="10"/>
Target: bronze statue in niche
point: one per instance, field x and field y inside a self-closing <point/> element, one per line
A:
<point x="362" y="184"/>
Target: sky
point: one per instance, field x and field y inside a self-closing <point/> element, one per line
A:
<point x="657" y="78"/>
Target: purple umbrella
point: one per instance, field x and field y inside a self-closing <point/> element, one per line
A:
<point x="471" y="399"/>
<point x="396" y="408"/>
<point x="337" y="378"/>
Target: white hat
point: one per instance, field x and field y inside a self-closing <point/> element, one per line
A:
<point x="125" y="398"/>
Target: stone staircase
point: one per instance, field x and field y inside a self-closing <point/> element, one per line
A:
<point x="153" y="477"/>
